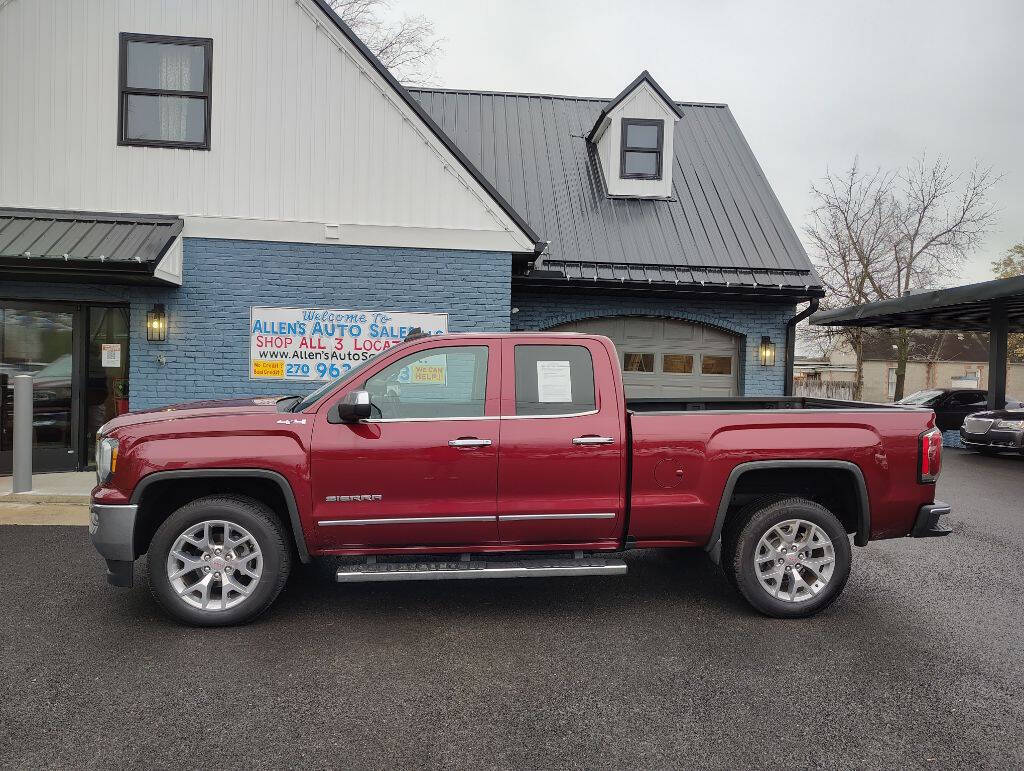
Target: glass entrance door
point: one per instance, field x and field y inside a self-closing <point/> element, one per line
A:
<point x="106" y="393"/>
<point x="40" y="340"/>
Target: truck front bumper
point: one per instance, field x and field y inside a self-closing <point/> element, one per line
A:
<point x="927" y="524"/>
<point x="112" y="532"/>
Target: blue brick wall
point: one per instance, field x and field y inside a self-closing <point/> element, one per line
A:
<point x="207" y="348"/>
<point x="543" y="311"/>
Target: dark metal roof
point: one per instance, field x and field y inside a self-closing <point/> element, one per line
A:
<point x="58" y="244"/>
<point x="962" y="307"/>
<point x="417" y="108"/>
<point x="723" y="215"/>
<point x="644" y="76"/>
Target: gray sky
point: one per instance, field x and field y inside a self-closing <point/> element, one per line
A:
<point x="812" y="83"/>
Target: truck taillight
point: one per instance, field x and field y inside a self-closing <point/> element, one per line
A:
<point x="929" y="456"/>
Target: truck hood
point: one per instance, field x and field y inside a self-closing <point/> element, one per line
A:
<point x="204" y="409"/>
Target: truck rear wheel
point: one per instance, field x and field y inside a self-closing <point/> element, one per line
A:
<point x="219" y="561"/>
<point x="789" y="558"/>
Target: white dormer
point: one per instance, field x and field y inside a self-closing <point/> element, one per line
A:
<point x="633" y="136"/>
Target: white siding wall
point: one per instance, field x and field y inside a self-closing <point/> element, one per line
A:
<point x="644" y="102"/>
<point x="304" y="132"/>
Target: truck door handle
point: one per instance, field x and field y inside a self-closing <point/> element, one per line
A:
<point x="469" y="441"/>
<point x="593" y="440"/>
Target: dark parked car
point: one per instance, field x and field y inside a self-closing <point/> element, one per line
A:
<point x="952" y="405"/>
<point x="995" y="431"/>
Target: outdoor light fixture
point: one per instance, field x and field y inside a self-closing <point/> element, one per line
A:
<point x="766" y="352"/>
<point x="156" y="324"/>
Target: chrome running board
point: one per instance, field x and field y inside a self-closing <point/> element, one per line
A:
<point x="466" y="569"/>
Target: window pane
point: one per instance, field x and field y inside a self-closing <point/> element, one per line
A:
<point x="638" y="362"/>
<point x="165" y="118"/>
<point x="677" y="363"/>
<point x="439" y="383"/>
<point x="38" y="343"/>
<point x="554" y="380"/>
<point x="642" y="136"/>
<point x="169" y="66"/>
<point x="716" y="365"/>
<point x="641" y="163"/>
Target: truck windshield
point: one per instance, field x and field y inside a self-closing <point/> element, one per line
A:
<point x="315" y="396"/>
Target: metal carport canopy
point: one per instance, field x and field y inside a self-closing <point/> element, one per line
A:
<point x="996" y="307"/>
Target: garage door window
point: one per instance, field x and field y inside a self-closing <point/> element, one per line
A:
<point x="677" y="363"/>
<point x="638" y="362"/>
<point x="554" y="380"/>
<point x="716" y="365"/>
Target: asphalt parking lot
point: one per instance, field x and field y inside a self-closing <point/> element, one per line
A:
<point x="919" y="664"/>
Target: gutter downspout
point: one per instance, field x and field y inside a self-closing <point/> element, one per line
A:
<point x="791" y="341"/>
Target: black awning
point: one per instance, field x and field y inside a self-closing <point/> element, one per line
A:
<point x="961" y="307"/>
<point x="57" y="245"/>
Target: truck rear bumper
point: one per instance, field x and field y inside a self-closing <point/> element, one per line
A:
<point x="927" y="524"/>
<point x="112" y="532"/>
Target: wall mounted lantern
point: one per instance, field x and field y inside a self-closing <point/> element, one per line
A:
<point x="766" y="352"/>
<point x="156" y="324"/>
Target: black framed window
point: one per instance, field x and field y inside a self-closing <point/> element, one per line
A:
<point x="164" y="91"/>
<point x="642" y="145"/>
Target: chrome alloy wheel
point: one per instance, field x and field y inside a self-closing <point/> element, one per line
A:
<point x="794" y="560"/>
<point x="214" y="565"/>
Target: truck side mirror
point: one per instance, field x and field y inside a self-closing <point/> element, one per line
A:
<point x="353" y="407"/>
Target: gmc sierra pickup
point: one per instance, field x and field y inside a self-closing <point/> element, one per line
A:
<point x="515" y="455"/>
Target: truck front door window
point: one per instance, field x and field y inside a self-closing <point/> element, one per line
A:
<point x="449" y="382"/>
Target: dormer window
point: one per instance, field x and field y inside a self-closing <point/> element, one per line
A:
<point x="642" y="146"/>
<point x="633" y="137"/>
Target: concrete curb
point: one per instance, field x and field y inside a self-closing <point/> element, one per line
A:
<point x="44" y="498"/>
<point x="53" y="514"/>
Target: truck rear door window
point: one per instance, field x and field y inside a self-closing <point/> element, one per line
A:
<point x="446" y="382"/>
<point x="554" y="380"/>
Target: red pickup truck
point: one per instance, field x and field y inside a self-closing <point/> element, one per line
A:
<point x="504" y="455"/>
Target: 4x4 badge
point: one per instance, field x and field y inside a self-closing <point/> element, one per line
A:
<point x="290" y="421"/>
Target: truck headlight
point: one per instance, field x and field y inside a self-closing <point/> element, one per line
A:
<point x="106" y="458"/>
<point x="1013" y="425"/>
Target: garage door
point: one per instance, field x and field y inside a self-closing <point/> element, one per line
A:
<point x="662" y="357"/>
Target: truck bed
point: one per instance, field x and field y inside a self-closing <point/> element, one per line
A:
<point x="684" y="451"/>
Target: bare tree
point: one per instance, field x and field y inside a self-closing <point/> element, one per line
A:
<point x="409" y="47"/>
<point x="850" y="232"/>
<point x="941" y="218"/>
<point x="885" y="234"/>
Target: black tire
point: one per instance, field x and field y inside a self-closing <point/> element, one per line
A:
<point x="744" y="534"/>
<point x="734" y="524"/>
<point x="255" y="517"/>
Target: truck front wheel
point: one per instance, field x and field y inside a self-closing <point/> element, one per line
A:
<point x="789" y="558"/>
<point x="219" y="560"/>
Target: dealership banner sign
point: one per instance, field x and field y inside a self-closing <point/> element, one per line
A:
<point x="318" y="344"/>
